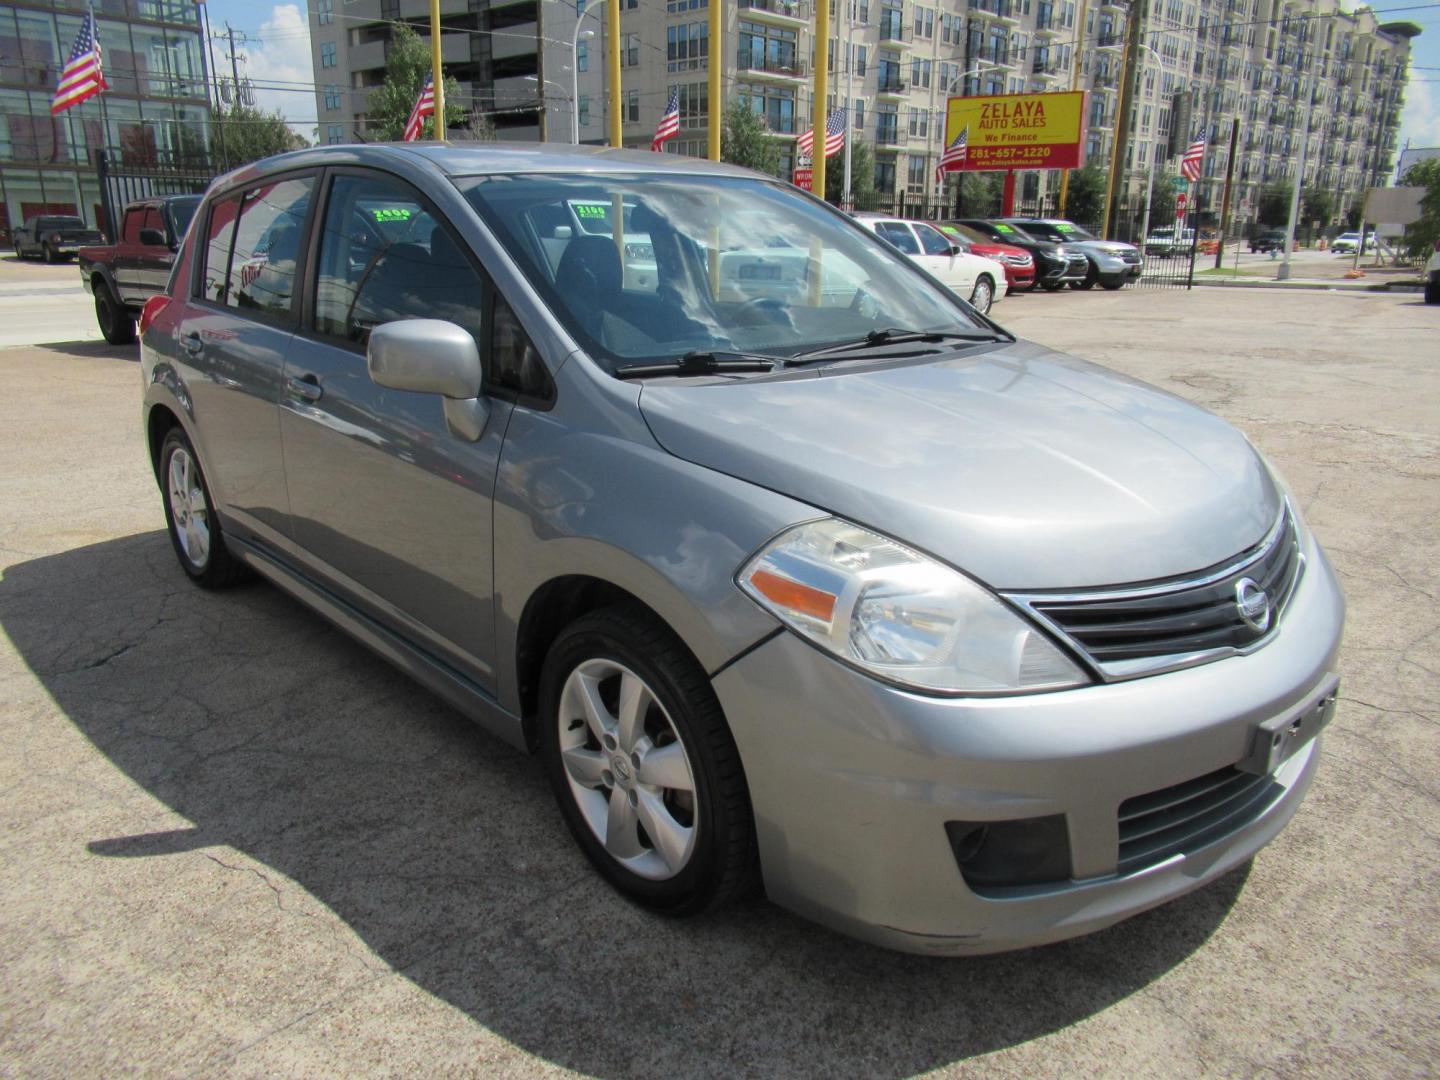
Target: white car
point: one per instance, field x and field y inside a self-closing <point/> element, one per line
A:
<point x="978" y="279"/>
<point x="1346" y="243"/>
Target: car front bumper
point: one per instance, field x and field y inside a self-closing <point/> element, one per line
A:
<point x="853" y="782"/>
<point x="1059" y="271"/>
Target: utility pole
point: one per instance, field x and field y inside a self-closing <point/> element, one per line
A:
<point x="847" y="199"/>
<point x="717" y="33"/>
<point x="1225" y="193"/>
<point x="234" y="57"/>
<point x="617" y="130"/>
<point x="438" y="77"/>
<point x="822" y="91"/>
<point x="1074" y="85"/>
<point x="1283" y="273"/>
<point x="1128" y="67"/>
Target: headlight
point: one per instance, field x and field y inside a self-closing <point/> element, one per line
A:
<point x="899" y="615"/>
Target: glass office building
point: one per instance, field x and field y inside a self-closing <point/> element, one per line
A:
<point x="156" y="110"/>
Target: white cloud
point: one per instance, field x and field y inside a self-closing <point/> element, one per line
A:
<point x="1420" y="121"/>
<point x="278" y="61"/>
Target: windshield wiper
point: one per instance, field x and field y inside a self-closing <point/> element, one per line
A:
<point x="697" y="362"/>
<point x="894" y="335"/>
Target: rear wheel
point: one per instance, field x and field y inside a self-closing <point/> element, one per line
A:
<point x="49" y="254"/>
<point x="643" y="765"/>
<point x="983" y="295"/>
<point x="115" y="322"/>
<point x="190" y="514"/>
<point x="1432" y="289"/>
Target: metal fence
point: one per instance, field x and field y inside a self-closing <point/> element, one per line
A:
<point x="162" y="175"/>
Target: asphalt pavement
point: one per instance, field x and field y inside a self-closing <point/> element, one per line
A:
<point x="236" y="844"/>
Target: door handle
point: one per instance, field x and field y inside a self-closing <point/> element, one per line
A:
<point x="305" y="387"/>
<point x="192" y="343"/>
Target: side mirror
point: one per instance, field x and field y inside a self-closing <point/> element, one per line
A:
<point x="956" y="249"/>
<point x="152" y="238"/>
<point x="432" y="356"/>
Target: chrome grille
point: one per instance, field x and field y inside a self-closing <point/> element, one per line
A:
<point x="1183" y="818"/>
<point x="1140" y="629"/>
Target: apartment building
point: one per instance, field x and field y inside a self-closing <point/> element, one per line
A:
<point x="157" y="104"/>
<point x="503" y="53"/>
<point x="894" y="62"/>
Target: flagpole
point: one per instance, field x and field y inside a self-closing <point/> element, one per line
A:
<point x="438" y="85"/>
<point x="104" y="113"/>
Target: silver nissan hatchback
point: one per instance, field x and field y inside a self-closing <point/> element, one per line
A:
<point x="795" y="572"/>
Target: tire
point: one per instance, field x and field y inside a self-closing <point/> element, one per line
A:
<point x="710" y="857"/>
<point x="198" y="540"/>
<point x="49" y="254"/>
<point x="1432" y="289"/>
<point x="1052" y="286"/>
<point x="1112" y="283"/>
<point x="115" y="322"/>
<point x="1091" y="276"/>
<point x="982" y="297"/>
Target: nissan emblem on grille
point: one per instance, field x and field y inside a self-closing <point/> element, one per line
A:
<point x="1253" y="603"/>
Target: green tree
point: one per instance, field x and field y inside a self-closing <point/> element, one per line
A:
<point x="862" y="174"/>
<point x="390" y="103"/>
<point x="1422" y="236"/>
<point x="1273" y="206"/>
<point x="1086" y="201"/>
<point x="745" y="140"/>
<point x="243" y="134"/>
<point x="1317" y="206"/>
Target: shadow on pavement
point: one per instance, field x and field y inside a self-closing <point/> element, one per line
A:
<point x="93" y="349"/>
<point x="274" y="734"/>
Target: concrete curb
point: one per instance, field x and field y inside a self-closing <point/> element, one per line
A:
<point x="1331" y="286"/>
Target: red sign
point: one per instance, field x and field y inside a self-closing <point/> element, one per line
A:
<point x="803" y="178"/>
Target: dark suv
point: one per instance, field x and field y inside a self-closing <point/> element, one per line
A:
<point x="1269" y="240"/>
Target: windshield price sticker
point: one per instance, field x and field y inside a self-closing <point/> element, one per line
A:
<point x="391" y="213"/>
<point x="591" y="210"/>
<point x="1018" y="131"/>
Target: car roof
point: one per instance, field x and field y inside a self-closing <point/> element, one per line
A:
<point x="481" y="158"/>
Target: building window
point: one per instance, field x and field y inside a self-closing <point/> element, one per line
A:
<point x="773" y="104"/>
<point x="630" y="54"/>
<point x="327" y="54"/>
<point x="584" y="109"/>
<point x="887" y="125"/>
<point x="768" y="48"/>
<point x="915" y="181"/>
<point x="686" y="45"/>
<point x="582" y="56"/>
<point x="324" y="12"/>
<point x="885" y="176"/>
<point x="679" y="7"/>
<point x="694" y="103"/>
<point x="332" y="96"/>
<point x="335" y="133"/>
<point x="632" y="105"/>
<point x="859" y="122"/>
<point x="919" y="122"/>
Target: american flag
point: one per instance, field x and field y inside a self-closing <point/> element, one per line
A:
<point x="669" y="125"/>
<point x="1193" y="163"/>
<point x="424" y="106"/>
<point x="82" y="78"/>
<point x="834" y="135"/>
<point x="954" y="155"/>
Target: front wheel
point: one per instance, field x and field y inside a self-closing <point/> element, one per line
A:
<point x="983" y="295"/>
<point x="190" y="515"/>
<point x="643" y="765"/>
<point x="1112" y="283"/>
<point x="1432" y="289"/>
<point x="115" y="322"/>
<point x="1052" y="286"/>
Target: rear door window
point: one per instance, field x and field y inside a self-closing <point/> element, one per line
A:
<point x="899" y="234"/>
<point x="219" y="236"/>
<point x="267" y="247"/>
<point x="383" y="256"/>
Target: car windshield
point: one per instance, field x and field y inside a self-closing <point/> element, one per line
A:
<point x="1059" y="230"/>
<point x="703" y="263"/>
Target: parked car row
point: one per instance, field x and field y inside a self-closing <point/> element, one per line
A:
<point x="1023" y="253"/>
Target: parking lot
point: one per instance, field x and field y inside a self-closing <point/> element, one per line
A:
<point x="235" y="843"/>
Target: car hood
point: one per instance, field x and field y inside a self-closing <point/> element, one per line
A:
<point x="1025" y="467"/>
<point x="1099" y="245"/>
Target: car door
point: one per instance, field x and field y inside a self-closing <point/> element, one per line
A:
<point x="957" y="271"/>
<point x="390" y="508"/>
<point x="123" y="267"/>
<point x="151" y="261"/>
<point x="233" y="337"/>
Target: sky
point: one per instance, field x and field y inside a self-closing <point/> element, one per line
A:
<point x="278" y="58"/>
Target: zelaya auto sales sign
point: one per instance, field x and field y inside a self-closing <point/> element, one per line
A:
<point x="1018" y="131"/>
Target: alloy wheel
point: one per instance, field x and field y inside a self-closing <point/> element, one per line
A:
<point x="189" y="513"/>
<point x="627" y="769"/>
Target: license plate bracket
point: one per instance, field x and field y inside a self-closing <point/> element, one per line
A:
<point x="1277" y="739"/>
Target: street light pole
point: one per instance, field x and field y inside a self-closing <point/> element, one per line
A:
<point x="1283" y="273"/>
<point x="575" y="76"/>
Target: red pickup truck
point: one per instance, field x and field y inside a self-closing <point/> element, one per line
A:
<point x="124" y="275"/>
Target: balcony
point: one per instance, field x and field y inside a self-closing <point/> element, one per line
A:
<point x="887" y="140"/>
<point x="1048" y="25"/>
<point x="891" y="86"/>
<point x="791" y="13"/>
<point x="769" y="67"/>
<point x="997" y="11"/>
<point x="893" y="32"/>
